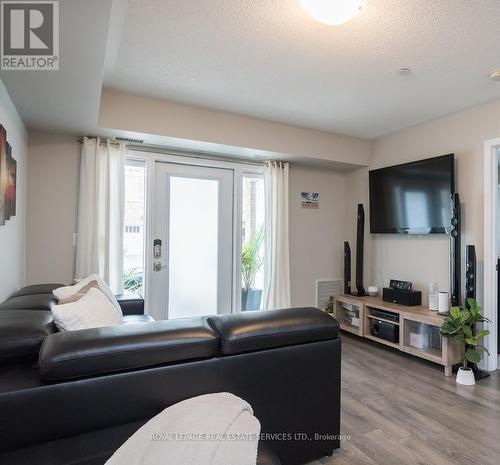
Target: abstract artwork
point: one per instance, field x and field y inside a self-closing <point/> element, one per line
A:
<point x="8" y="175"/>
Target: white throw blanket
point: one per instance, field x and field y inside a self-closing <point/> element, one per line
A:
<point x="214" y="429"/>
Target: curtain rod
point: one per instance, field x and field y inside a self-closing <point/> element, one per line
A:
<point x="140" y="146"/>
<point x="103" y="141"/>
<point x="193" y="154"/>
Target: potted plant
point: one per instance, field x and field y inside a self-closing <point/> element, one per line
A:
<point x="330" y="306"/>
<point x="251" y="263"/>
<point x="132" y="281"/>
<point x="461" y="325"/>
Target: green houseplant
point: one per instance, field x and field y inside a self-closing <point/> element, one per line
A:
<point x="132" y="280"/>
<point x="330" y="305"/>
<point x="460" y="325"/>
<point x="251" y="263"/>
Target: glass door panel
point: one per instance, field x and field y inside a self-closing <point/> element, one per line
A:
<point x="193" y="242"/>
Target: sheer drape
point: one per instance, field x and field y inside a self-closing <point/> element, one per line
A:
<point x="277" y="263"/>
<point x="99" y="246"/>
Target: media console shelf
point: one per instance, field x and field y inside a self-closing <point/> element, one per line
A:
<point x="415" y="329"/>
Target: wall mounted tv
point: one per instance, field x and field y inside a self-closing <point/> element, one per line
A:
<point x="413" y="198"/>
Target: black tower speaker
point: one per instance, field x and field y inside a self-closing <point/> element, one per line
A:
<point x="470" y="292"/>
<point x="455" y="247"/>
<point x="470" y="273"/>
<point x="347" y="268"/>
<point x="360" y="250"/>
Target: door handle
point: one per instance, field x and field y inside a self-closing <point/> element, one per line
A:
<point x="157" y="266"/>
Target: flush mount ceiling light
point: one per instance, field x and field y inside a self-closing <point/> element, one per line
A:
<point x="495" y="75"/>
<point x="332" y="12"/>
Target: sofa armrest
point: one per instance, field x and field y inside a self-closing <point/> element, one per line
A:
<point x="267" y="329"/>
<point x="22" y="333"/>
<point x="131" y="304"/>
<point x="97" y="351"/>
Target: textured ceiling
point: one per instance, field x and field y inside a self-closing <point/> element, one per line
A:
<point x="267" y="58"/>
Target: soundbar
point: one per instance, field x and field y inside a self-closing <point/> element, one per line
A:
<point x="400" y="297"/>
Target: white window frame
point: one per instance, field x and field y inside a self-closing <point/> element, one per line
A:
<point x="240" y="169"/>
<point x="491" y="159"/>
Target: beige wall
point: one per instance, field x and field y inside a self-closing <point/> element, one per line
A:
<point x="12" y="234"/>
<point x="424" y="258"/>
<point x="53" y="163"/>
<point x="316" y="236"/>
<point x="125" y="112"/>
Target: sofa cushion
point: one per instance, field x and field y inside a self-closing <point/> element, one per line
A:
<point x="37" y="289"/>
<point x="266" y="329"/>
<point x="22" y="333"/>
<point x="66" y="291"/>
<point x="111" y="349"/>
<point x="93" y="310"/>
<point x="29" y="302"/>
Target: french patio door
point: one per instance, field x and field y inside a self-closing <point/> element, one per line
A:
<point x="192" y="231"/>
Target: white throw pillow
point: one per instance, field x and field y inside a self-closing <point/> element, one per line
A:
<point x="66" y="291"/>
<point x="93" y="310"/>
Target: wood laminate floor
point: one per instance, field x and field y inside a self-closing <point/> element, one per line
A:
<point x="399" y="410"/>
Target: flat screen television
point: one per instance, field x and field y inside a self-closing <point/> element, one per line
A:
<point x="413" y="198"/>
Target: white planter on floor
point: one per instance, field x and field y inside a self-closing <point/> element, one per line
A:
<point x="465" y="377"/>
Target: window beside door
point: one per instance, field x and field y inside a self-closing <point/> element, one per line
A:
<point x="252" y="242"/>
<point x="133" y="233"/>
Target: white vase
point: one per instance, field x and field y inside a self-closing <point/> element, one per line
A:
<point x="443" y="303"/>
<point x="465" y="377"/>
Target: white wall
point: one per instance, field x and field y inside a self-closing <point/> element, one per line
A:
<point x="12" y="234"/>
<point x="316" y="236"/>
<point x="422" y="259"/>
<point x="53" y="164"/>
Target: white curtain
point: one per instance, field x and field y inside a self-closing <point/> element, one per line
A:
<point x="277" y="262"/>
<point x="99" y="247"/>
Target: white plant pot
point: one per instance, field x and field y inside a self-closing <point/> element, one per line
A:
<point x="465" y="377"/>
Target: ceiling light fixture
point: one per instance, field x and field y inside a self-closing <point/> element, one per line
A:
<point x="332" y="12"/>
<point x="495" y="75"/>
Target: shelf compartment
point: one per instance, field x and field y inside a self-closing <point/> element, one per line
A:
<point x="383" y="314"/>
<point x="423" y="339"/>
<point x="350" y="316"/>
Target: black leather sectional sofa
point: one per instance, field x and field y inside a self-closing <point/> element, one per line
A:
<point x="75" y="397"/>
